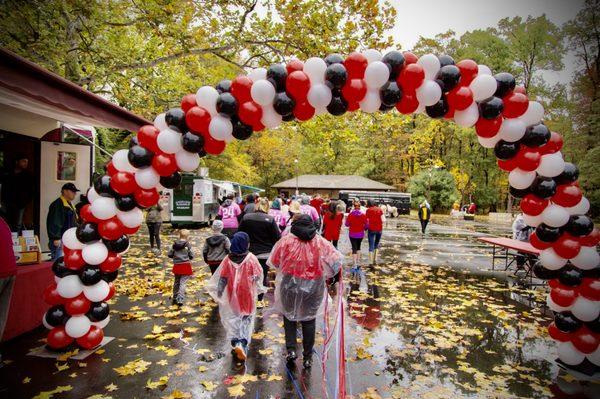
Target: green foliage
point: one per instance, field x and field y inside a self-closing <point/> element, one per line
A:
<point x="435" y="185"/>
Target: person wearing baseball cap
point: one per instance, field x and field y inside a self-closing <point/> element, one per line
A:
<point x="61" y="217"/>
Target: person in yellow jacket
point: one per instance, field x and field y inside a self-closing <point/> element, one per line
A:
<point x="424" y="214"/>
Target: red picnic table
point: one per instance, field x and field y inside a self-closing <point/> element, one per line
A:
<point x="509" y="249"/>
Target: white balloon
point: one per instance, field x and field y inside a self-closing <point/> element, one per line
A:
<point x="56" y="279"/>
<point x="315" y="68"/>
<point x="95" y="253"/>
<point x="263" y="92"/>
<point x="121" y="162"/>
<point x="420" y="109"/>
<point x="467" y="117"/>
<point x="534" y="114"/>
<point x="321" y="110"/>
<point x="594" y="357"/>
<point x="483" y="86"/>
<point x="483" y="70"/>
<point x="587" y="258"/>
<point x="376" y="74"/>
<point x="220" y="127"/>
<point x="206" y="97"/>
<point x="520" y="179"/>
<point x="371" y="102"/>
<point x="555" y="215"/>
<point x="97" y="292"/>
<point x="77" y="326"/>
<point x="372" y="55"/>
<point x="69" y="239"/>
<point x="512" y="130"/>
<point x="550" y="260"/>
<point x="69" y="286"/>
<point x="551" y="165"/>
<point x="257" y="74"/>
<point x="533" y="221"/>
<point x="45" y="323"/>
<point x="429" y="93"/>
<point x="159" y="122"/>
<point x="147" y="178"/>
<point x="102" y="323"/>
<point x="104" y="208"/>
<point x="581" y="208"/>
<point x="169" y="141"/>
<point x="270" y="118"/>
<point x="585" y="309"/>
<point x="319" y="95"/>
<point x="553" y="306"/>
<point x="132" y="218"/>
<point x="430" y="64"/>
<point x="187" y="161"/>
<point x="92" y="195"/>
<point x="488" y="142"/>
<point x="569" y="354"/>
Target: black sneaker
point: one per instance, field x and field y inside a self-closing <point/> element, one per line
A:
<point x="291" y="356"/>
<point x="307" y="363"/>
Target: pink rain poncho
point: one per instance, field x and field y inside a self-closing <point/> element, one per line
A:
<point x="302" y="268"/>
<point x="235" y="287"/>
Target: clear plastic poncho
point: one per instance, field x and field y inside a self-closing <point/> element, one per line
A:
<point x="302" y="268"/>
<point x="235" y="287"/>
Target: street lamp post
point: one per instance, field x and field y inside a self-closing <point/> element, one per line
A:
<point x="296" y="164"/>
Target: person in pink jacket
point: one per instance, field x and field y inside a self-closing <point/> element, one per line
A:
<point x="228" y="213"/>
<point x="280" y="217"/>
<point x="8" y="271"/>
<point x="307" y="209"/>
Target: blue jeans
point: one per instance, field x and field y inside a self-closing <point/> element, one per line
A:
<point x="55" y="251"/>
<point x="374" y="237"/>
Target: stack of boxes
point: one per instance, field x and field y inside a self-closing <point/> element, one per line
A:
<point x="26" y="247"/>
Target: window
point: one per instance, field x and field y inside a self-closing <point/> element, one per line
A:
<point x="66" y="166"/>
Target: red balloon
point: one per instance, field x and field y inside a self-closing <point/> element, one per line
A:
<point x="411" y="77"/>
<point x="86" y="214"/>
<point x="563" y="295"/>
<point x="566" y="246"/>
<point x="198" y="119"/>
<point x="294" y="65"/>
<point x="303" y="111"/>
<point x="57" y="338"/>
<point x="553" y="283"/>
<point x="110" y="168"/>
<point x="585" y="340"/>
<point x="537" y="243"/>
<point x="591" y="240"/>
<point x="533" y="205"/>
<point x="409" y="58"/>
<point x="590" y="288"/>
<point x="92" y="339"/>
<point x="354" y="106"/>
<point x="557" y="334"/>
<point x="528" y="159"/>
<point x="78" y="305"/>
<point x="515" y="105"/>
<point x="297" y="85"/>
<point x="258" y="127"/>
<point x="240" y="89"/>
<point x="354" y="90"/>
<point x="146" y="198"/>
<point x="111" y="291"/>
<point x="520" y="89"/>
<point x="111" y="229"/>
<point x="355" y="64"/>
<point x="468" y="71"/>
<point x="553" y="145"/>
<point x="487" y="128"/>
<point x="408" y="103"/>
<point x="460" y="98"/>
<point x="51" y="296"/>
<point x="212" y="146"/>
<point x="450" y="113"/>
<point x="147" y="137"/>
<point x="130" y="230"/>
<point x="111" y="263"/>
<point x="188" y="101"/>
<point x="250" y="112"/>
<point x="567" y="195"/>
<point x="508" y="164"/>
<point x="164" y="164"/>
<point x="73" y="259"/>
<point x="123" y="183"/>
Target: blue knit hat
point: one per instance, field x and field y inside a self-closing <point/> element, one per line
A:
<point x="240" y="243"/>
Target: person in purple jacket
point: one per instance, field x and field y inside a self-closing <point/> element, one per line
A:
<point x="228" y="213"/>
<point x="307" y="209"/>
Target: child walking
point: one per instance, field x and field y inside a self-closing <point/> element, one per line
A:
<point x="235" y="287"/>
<point x="216" y="247"/>
<point x="181" y="253"/>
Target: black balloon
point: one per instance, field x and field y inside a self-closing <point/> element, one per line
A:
<point x="277" y="75"/>
<point x="60" y="270"/>
<point x="334" y="59"/>
<point x="547" y="233"/>
<point x="171" y="181"/>
<point x="449" y="75"/>
<point x="241" y="131"/>
<point x="395" y="62"/>
<point x="569" y="175"/>
<point x="386" y="108"/>
<point x="506" y="150"/>
<point x="87" y="232"/>
<point x="134" y="141"/>
<point x="390" y="93"/>
<point x="288" y="118"/>
<point x="227" y="104"/>
<point x="102" y="186"/>
<point x="570" y="276"/>
<point x="566" y="322"/>
<point x="140" y="157"/>
<point x="223" y="86"/>
<point x="579" y="225"/>
<point x="594" y="325"/>
<point x="90" y="275"/>
<point x="57" y="316"/>
<point x="543" y="187"/>
<point x="176" y="117"/>
<point x="490" y="108"/>
<point x="336" y="75"/>
<point x="506" y="83"/>
<point x="283" y="104"/>
<point x="118" y="245"/>
<point x="337" y="106"/>
<point x="98" y="311"/>
<point x="592" y="273"/>
<point x="518" y="193"/>
<point x="446" y="60"/>
<point x="110" y="276"/>
<point x="125" y="202"/>
<point x="192" y="142"/>
<point x="439" y="109"/>
<point x="542" y="273"/>
<point x="536" y="135"/>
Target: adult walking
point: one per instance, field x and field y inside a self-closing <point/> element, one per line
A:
<point x="376" y="218"/>
<point x="307" y="209"/>
<point x="357" y="223"/>
<point x="154" y="223"/>
<point x="280" y="217"/>
<point x="424" y="214"/>
<point x="61" y="217"/>
<point x="332" y="223"/>
<point x="8" y="272"/>
<point x="264" y="233"/>
<point x="303" y="260"/>
<point x="228" y="213"/>
<point x="250" y="204"/>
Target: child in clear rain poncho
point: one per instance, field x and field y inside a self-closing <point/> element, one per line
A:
<point x="235" y="286"/>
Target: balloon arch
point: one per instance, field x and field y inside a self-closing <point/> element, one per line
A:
<point x="503" y="117"/>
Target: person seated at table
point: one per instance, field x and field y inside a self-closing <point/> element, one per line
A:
<point x="521" y="232"/>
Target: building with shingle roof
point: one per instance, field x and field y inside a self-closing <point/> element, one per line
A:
<point x="329" y="185"/>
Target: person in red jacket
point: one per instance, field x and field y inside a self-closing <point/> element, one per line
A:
<point x="332" y="223"/>
<point x="375" y="217"/>
<point x="357" y="223"/>
<point x="8" y="271"/>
